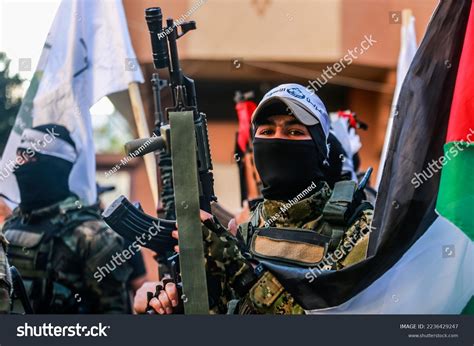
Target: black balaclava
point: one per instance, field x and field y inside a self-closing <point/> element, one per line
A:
<point x="44" y="178"/>
<point x="287" y="167"/>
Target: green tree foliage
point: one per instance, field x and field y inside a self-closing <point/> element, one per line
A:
<point x="9" y="103"/>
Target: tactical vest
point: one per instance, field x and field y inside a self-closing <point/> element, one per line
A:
<point x="287" y="253"/>
<point x="339" y="212"/>
<point x="33" y="241"/>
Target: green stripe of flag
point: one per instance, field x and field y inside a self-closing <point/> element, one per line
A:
<point x="456" y="192"/>
<point x="469" y="309"/>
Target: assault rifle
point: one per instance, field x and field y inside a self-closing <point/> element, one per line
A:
<point x="182" y="134"/>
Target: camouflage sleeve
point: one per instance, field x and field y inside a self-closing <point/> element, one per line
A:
<point x="353" y="246"/>
<point x="106" y="267"/>
<point x="5" y="280"/>
<point x="264" y="294"/>
<point x="229" y="273"/>
<point x="227" y="262"/>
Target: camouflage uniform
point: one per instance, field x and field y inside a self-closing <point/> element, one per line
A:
<point x="58" y="250"/>
<point x="231" y="256"/>
<point x="5" y="280"/>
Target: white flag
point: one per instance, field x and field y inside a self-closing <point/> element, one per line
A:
<point x="87" y="55"/>
<point x="407" y="52"/>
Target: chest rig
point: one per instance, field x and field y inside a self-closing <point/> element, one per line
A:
<point x="34" y="240"/>
<point x="300" y="239"/>
<point x="304" y="236"/>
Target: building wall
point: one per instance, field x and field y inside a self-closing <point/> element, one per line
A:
<point x="282" y="30"/>
<point x="381" y="18"/>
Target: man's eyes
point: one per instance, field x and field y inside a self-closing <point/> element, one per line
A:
<point x="292" y="132"/>
<point x="266" y="131"/>
<point x="296" y="132"/>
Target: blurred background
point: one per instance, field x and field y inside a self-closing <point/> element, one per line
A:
<point x="257" y="44"/>
<point x="246" y="45"/>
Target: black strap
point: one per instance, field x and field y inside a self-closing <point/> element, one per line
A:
<point x="358" y="211"/>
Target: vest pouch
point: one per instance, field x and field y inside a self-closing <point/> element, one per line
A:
<point x="290" y="245"/>
<point x="336" y="209"/>
<point x="25" y="250"/>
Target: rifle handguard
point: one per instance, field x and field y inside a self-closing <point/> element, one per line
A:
<point x="143" y="146"/>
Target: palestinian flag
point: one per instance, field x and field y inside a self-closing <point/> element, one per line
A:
<point x="455" y="202"/>
<point x="421" y="252"/>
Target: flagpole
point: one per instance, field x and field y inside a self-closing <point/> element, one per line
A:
<point x="406" y="16"/>
<point x="143" y="132"/>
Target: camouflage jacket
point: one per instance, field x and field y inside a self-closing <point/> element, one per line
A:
<point x="67" y="257"/>
<point x="347" y="246"/>
<point x="5" y="280"/>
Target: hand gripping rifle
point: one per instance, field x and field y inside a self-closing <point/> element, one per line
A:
<point x="183" y="135"/>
